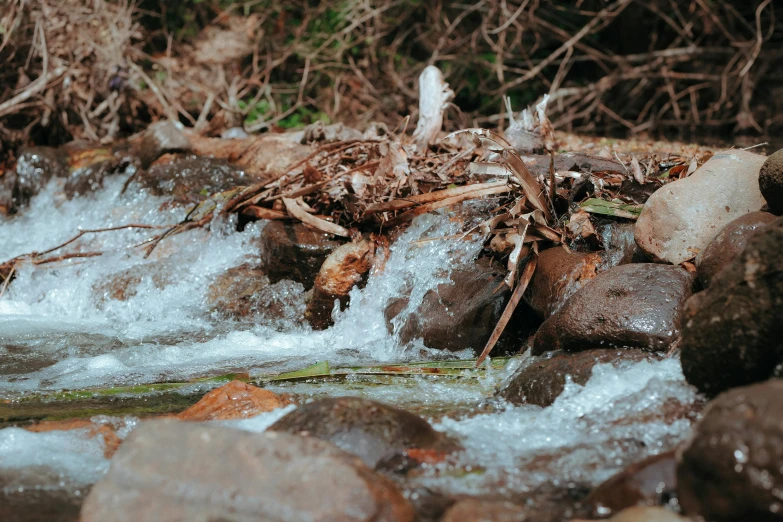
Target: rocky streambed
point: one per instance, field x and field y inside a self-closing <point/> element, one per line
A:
<point x="259" y="369"/>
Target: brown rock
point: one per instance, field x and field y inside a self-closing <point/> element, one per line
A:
<point x="633" y="306"/>
<point x="559" y="274"/>
<point x="729" y="242"/>
<point x="110" y="439"/>
<point x="369" y="429"/>
<point x="123" y="285"/>
<point x="732" y="468"/>
<point x="235" y="400"/>
<point x="650" y="482"/>
<point x="732" y="332"/>
<point x="294" y="251"/>
<point x="190" y="179"/>
<point x="771" y="181"/>
<point x="478" y="510"/>
<point x="88" y="167"/>
<point x="36" y="494"/>
<point x="543" y="380"/>
<point x="346" y="267"/>
<point x="180" y="471"/>
<point x="681" y="218"/>
<point x="159" y="138"/>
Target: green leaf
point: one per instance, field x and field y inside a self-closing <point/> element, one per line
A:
<point x="319" y="369"/>
<point x="611" y="208"/>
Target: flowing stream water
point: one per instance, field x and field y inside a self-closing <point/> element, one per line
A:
<point x="61" y="330"/>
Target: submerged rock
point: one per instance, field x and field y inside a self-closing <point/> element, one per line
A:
<point x="36" y="494"/>
<point x="88" y="167"/>
<point x="650" y="482"/>
<point x="458" y="315"/>
<point x="478" y="510"/>
<point x="159" y="138"/>
<point x="729" y="242"/>
<point x="543" y="380"/>
<point x="235" y="400"/>
<point x="371" y="430"/>
<point x="733" y="333"/>
<point x="681" y="218"/>
<point x="732" y="468"/>
<point x="559" y="274"/>
<point x="294" y="251"/>
<point x="178" y="471"/>
<point x="34" y="168"/>
<point x="123" y="285"/>
<point x="190" y="179"/>
<point x="632" y="306"/>
<point x="346" y="267"/>
<point x="771" y="182"/>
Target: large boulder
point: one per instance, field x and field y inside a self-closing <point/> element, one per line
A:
<point x="732" y="468"/>
<point x="543" y="380"/>
<point x="371" y="430"/>
<point x="559" y="274"/>
<point x="630" y="306"/>
<point x="681" y="218"/>
<point x="729" y="242"/>
<point x="294" y="251"/>
<point x="733" y="333"/>
<point x="771" y="182"/>
<point x="178" y="471"/>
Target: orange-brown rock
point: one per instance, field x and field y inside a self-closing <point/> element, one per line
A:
<point x="235" y="400"/>
<point x="110" y="438"/>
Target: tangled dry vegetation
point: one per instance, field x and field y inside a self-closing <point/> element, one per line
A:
<point x="99" y="69"/>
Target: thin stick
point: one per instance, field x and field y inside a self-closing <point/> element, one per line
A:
<point x="527" y="275"/>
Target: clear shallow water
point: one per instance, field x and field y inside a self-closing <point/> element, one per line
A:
<point x="59" y="329"/>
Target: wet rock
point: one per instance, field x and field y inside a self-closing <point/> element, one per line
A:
<point x="371" y="430"/>
<point x="245" y="291"/>
<point x="34" y="168"/>
<point x="235" y="400"/>
<point x="633" y="306"/>
<point x="346" y="267"/>
<point x="478" y="510"/>
<point x="732" y="468"/>
<point x="93" y="429"/>
<point x="771" y="182"/>
<point x="559" y="274"/>
<point x="294" y="251"/>
<point x="729" y="242"/>
<point x="732" y="333"/>
<point x="645" y="514"/>
<point x="650" y="482"/>
<point x="159" y="138"/>
<point x="456" y="316"/>
<point x="123" y="285"/>
<point x="543" y="380"/>
<point x="191" y="179"/>
<point x="88" y="167"/>
<point x="619" y="242"/>
<point x="681" y="218"/>
<point x="198" y="472"/>
<point x="36" y="494"/>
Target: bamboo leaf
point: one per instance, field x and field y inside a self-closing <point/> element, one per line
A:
<point x="611" y="208"/>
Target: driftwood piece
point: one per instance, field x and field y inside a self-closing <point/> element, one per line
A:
<point x="295" y="208"/>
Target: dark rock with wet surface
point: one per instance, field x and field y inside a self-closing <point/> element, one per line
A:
<point x="733" y="332"/>
<point x="559" y="274"/>
<point x="644" y="514"/>
<point x="294" y="251"/>
<point x="543" y="380"/>
<point x="190" y="179"/>
<point x="457" y="315"/>
<point x="771" y="182"/>
<point x="344" y="269"/>
<point x="680" y="219"/>
<point x="371" y="430"/>
<point x="478" y="510"/>
<point x="34" y="168"/>
<point x="732" y="468"/>
<point x="729" y="242"/>
<point x="632" y="306"/>
<point x="178" y="471"/>
<point x="36" y="494"/>
<point x="650" y="482"/>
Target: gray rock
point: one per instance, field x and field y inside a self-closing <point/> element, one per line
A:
<point x="191" y="179"/>
<point x="732" y="332"/>
<point x="732" y="468"/>
<point x="729" y="242"/>
<point x="171" y="471"/>
<point x="159" y="138"/>
<point x="632" y="306"/>
<point x="371" y="430"/>
<point x="771" y="182"/>
<point x="34" y="168"/>
<point x="681" y="218"/>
